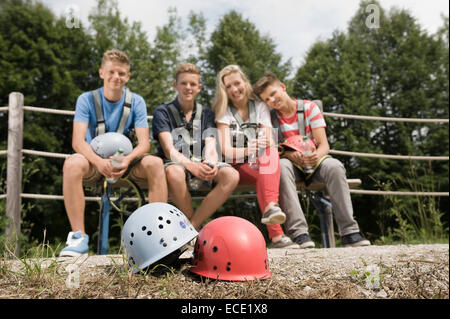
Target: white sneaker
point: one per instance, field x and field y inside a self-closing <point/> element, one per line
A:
<point x="77" y="245"/>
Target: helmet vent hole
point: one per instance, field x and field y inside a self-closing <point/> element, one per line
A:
<point x="132" y="234"/>
<point x="215" y="267"/>
<point x="160" y="218"/>
<point x="144" y="228"/>
<point x="165" y="245"/>
<point x="228" y="268"/>
<point x="149" y="233"/>
<point x="168" y="221"/>
<point x="204" y="243"/>
<point x="175" y="239"/>
<point x="131" y="242"/>
<point x="161" y="226"/>
<point x="215" y="249"/>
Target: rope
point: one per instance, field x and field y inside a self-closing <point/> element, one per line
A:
<point x="53" y="197"/>
<point x="387" y="119"/>
<point x="369" y="192"/>
<point x="241" y="196"/>
<point x="45" y="154"/>
<point x="335" y="152"/>
<point x="336" y="115"/>
<point x="61" y="197"/>
<point x="46" y="110"/>
<point x="55" y="111"/>
<point x="399" y="157"/>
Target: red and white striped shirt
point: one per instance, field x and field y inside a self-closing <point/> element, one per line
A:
<point x="313" y="119"/>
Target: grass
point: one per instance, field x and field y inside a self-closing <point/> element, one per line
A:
<point x="412" y="220"/>
<point x="40" y="274"/>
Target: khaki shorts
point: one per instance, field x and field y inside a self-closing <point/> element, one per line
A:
<point x="189" y="176"/>
<point x="94" y="175"/>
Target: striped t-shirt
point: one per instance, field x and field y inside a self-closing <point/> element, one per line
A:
<point x="313" y="119"/>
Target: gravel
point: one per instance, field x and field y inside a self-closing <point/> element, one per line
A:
<point x="374" y="272"/>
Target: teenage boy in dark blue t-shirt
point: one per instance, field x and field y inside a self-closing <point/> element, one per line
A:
<point x="187" y="142"/>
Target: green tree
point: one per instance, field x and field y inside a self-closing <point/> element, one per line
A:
<point x="237" y="41"/>
<point x="51" y="64"/>
<point x="165" y="56"/>
<point x="396" y="70"/>
<point x="112" y="31"/>
<point x="152" y="62"/>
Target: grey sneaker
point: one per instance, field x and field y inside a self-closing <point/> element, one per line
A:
<point x="304" y="241"/>
<point x="284" y="242"/>
<point x="273" y="216"/>
<point x="354" y="240"/>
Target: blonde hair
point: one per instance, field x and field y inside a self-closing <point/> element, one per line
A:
<point x="187" y="68"/>
<point x="115" y="55"/>
<point x="220" y="102"/>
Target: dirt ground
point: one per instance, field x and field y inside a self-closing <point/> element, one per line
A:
<point x="374" y="272"/>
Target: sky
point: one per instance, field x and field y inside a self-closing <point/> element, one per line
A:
<point x="294" y="25"/>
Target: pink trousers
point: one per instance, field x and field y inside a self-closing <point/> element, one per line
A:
<point x="267" y="180"/>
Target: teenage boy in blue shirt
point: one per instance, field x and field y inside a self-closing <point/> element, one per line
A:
<point x="87" y="165"/>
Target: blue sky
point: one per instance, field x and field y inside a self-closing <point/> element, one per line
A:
<point x="294" y="25"/>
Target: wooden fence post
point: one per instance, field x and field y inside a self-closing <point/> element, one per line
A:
<point x="14" y="169"/>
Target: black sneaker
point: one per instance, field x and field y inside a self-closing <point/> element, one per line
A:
<point x="354" y="240"/>
<point x="304" y="241"/>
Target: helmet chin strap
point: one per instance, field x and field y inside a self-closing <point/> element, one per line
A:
<point x="167" y="261"/>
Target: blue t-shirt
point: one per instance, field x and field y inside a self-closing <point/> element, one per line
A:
<point x="112" y="112"/>
<point x="163" y="121"/>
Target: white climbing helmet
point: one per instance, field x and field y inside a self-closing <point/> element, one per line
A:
<point x="106" y="145"/>
<point x="153" y="232"/>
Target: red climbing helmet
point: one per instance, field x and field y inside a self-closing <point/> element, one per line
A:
<point x="296" y="142"/>
<point x="293" y="142"/>
<point x="231" y="248"/>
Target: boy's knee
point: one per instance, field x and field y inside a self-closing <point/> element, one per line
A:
<point x="153" y="163"/>
<point x="175" y="174"/>
<point x="75" y="165"/>
<point x="286" y="170"/>
<point x="334" y="166"/>
<point x="231" y="176"/>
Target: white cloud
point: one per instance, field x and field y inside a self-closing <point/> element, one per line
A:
<point x="294" y="25"/>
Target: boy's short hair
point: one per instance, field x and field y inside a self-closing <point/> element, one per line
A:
<point x="268" y="79"/>
<point x="186" y="68"/>
<point x="115" y="56"/>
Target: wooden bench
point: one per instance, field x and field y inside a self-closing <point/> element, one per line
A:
<point x="315" y="191"/>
